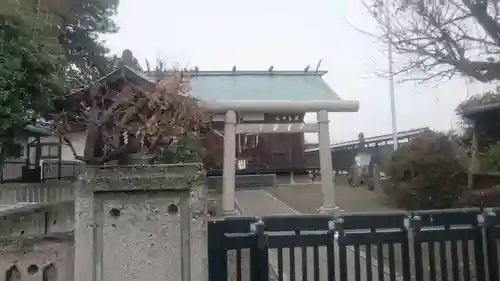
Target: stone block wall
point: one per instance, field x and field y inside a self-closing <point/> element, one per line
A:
<point x="29" y="262"/>
<point x="37" y="240"/>
<point x="129" y="220"/>
<point x="36" y="220"/>
<point x="141" y="237"/>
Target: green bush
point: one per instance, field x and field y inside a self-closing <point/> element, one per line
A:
<point x="427" y="173"/>
<point x="489" y="197"/>
<point x="186" y="150"/>
<point x="490" y="161"/>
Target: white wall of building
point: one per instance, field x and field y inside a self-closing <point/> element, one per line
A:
<point x="77" y="139"/>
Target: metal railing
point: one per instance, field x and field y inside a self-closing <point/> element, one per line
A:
<point x="12" y="171"/>
<point x="19" y="171"/>
<point x="32" y="189"/>
<point x="29" y="193"/>
<point x="459" y="244"/>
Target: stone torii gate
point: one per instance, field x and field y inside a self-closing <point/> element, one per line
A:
<point x="230" y="108"/>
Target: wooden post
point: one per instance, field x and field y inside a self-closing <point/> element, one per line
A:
<point x="59" y="159"/>
<point x="474" y="164"/>
<point x="38" y="151"/>
<point x="375" y="176"/>
<point x="28" y="156"/>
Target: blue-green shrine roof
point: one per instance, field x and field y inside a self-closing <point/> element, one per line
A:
<point x="244" y="85"/>
<point x="260" y="85"/>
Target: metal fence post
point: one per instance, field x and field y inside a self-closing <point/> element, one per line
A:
<point x="487" y="221"/>
<point x="45" y="167"/>
<point x="217" y="256"/>
<point x="330" y="251"/>
<point x="479" y="252"/>
<point x="340" y="235"/>
<point x="259" y="256"/>
<point x="407" y="249"/>
<point x="59" y="169"/>
<point x="415" y="249"/>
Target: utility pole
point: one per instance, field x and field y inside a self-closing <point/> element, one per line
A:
<point x="391" y="75"/>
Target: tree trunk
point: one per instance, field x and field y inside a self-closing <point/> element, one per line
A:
<point x="90" y="141"/>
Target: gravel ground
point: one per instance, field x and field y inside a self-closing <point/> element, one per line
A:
<point x="307" y="198"/>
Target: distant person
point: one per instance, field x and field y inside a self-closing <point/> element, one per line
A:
<point x="315" y="175"/>
<point x="353" y="175"/>
<point x="370" y="175"/>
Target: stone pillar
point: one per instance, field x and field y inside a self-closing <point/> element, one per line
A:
<point x="229" y="169"/>
<point x="325" y="159"/>
<point x="83" y="233"/>
<point x="145" y="222"/>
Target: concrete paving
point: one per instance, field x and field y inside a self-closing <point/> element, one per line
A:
<point x="16" y="206"/>
<point x="261" y="203"/>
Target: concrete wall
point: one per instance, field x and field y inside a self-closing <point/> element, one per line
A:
<point x="31" y="221"/>
<point x="142" y="242"/>
<point x="126" y="227"/>
<point x="55" y="259"/>
<point x="35" y="239"/>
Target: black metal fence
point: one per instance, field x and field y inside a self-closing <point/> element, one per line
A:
<point x="12" y="171"/>
<point x="19" y="171"/>
<point x="424" y="245"/>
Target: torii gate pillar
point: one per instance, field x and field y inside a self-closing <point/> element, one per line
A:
<point x="325" y="160"/>
<point x="231" y="128"/>
<point x="229" y="168"/>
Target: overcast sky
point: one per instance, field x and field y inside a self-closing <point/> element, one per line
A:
<point x="289" y="34"/>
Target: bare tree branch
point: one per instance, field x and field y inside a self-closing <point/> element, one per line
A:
<point x="131" y="120"/>
<point x="438" y="41"/>
<point x="73" y="150"/>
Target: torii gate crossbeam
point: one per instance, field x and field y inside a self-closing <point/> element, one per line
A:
<point x="231" y="128"/>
